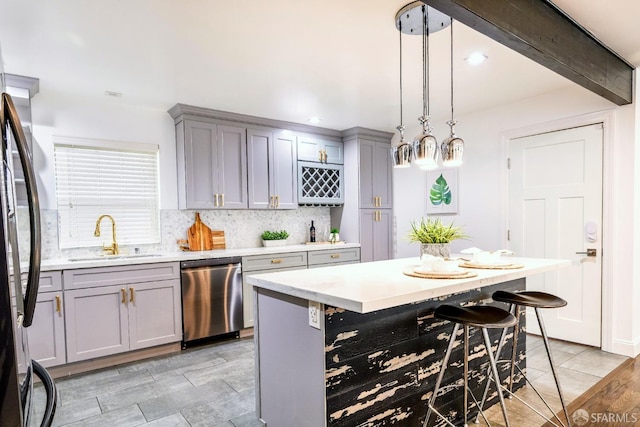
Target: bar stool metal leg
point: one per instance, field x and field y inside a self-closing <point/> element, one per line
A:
<point x="553" y="365"/>
<point x="443" y="368"/>
<point x="494" y="368"/>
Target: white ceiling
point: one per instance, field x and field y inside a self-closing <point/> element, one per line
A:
<point x="283" y="59"/>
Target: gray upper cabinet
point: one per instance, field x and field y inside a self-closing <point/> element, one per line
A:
<point x="375" y="174"/>
<point x="212" y="165"/>
<point x="312" y="149"/>
<point x="271" y="157"/>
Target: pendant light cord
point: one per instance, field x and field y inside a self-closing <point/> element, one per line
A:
<point x="425" y="59"/>
<point x="451" y="68"/>
<point x="400" y="31"/>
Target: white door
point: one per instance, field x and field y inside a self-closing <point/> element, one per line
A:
<point x="555" y="211"/>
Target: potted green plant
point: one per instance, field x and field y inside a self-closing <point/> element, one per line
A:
<point x="274" y="238"/>
<point x="434" y="236"/>
<point x="334" y="236"/>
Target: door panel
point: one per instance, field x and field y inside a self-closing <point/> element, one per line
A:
<point x="46" y="333"/>
<point x="285" y="171"/>
<point x="232" y="167"/>
<point x="555" y="190"/>
<point x="258" y="168"/>
<point x="201" y="158"/>
<point x="155" y="315"/>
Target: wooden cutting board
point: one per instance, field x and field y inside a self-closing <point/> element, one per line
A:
<point x="199" y="236"/>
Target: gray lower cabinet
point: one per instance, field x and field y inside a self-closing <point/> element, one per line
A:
<point x="376" y="231"/>
<point x="257" y="264"/>
<point x="272" y="171"/>
<point x="111" y="310"/>
<point x="212" y="165"/>
<point x="46" y="333"/>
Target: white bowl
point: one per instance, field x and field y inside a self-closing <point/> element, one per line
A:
<point x="441" y="265"/>
<point x="486" y="257"/>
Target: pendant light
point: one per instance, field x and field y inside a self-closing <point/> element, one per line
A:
<point x="452" y="147"/>
<point x="425" y="145"/>
<point x="401" y="154"/>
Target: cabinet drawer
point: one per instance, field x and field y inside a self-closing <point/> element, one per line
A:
<point x="50" y="281"/>
<point x="269" y="262"/>
<point x="334" y="256"/>
<point x="117" y="275"/>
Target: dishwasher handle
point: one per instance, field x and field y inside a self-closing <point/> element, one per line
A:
<point x="210" y="262"/>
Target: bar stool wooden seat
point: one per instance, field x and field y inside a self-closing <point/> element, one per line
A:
<point x="483" y="317"/>
<point x="535" y="300"/>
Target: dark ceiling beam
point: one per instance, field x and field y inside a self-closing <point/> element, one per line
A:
<point x="542" y="32"/>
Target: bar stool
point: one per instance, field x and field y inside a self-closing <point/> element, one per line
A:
<point x="536" y="300"/>
<point x="482" y="317"/>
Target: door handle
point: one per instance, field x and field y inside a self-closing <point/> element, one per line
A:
<point x="277" y="201"/>
<point x="133" y="295"/>
<point x="58" y="304"/>
<point x="215" y="199"/>
<point x="589" y="252"/>
<point x="124" y="295"/>
<point x="222" y="199"/>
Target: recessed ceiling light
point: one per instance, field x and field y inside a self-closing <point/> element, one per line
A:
<point x="476" y="58"/>
<point x="314" y="120"/>
<point x="113" y="93"/>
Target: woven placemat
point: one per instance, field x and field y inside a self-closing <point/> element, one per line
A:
<point x="492" y="266"/>
<point x="411" y="272"/>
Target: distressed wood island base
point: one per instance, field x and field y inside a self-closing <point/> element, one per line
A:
<point x="376" y="356"/>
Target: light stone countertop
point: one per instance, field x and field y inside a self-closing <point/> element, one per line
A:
<point x="372" y="286"/>
<point x="111" y="260"/>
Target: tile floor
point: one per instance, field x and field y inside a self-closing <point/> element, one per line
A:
<point x="214" y="386"/>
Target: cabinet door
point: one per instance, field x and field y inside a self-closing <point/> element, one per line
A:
<point x="201" y="158"/>
<point x="46" y="334"/>
<point x="155" y="313"/>
<point x="232" y="167"/>
<point x="96" y="322"/>
<point x="375" y="234"/>
<point x="258" y="151"/>
<point x="335" y="152"/>
<point x="283" y="171"/>
<point x="309" y="149"/>
<point x="382" y="177"/>
<point x="367" y="174"/>
<point x="375" y="175"/>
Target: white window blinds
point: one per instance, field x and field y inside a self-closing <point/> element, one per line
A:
<point x="101" y="177"/>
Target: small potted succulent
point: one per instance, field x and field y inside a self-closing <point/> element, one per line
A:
<point x="274" y="238"/>
<point x="334" y="236"/>
<point x="434" y="236"/>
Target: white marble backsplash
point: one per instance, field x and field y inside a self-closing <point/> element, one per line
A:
<point x="242" y="229"/>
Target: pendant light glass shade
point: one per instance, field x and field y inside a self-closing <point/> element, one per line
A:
<point x="452" y="148"/>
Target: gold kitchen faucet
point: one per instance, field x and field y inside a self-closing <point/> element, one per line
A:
<point x="113" y="249"/>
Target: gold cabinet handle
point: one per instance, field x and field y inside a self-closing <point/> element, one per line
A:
<point x="277" y="201"/>
<point x="272" y="203"/>
<point x="132" y="297"/>
<point x="335" y="256"/>
<point x="58" y="304"/>
<point x="222" y="199"/>
<point x="320" y="155"/>
<point x="276" y="261"/>
<point x="124" y="295"/>
<point x="215" y="199"/>
<point x="324" y="156"/>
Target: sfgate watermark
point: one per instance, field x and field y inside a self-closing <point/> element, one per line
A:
<point x="582" y="417"/>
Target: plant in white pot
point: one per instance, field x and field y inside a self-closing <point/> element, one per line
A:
<point x="434" y="236"/>
<point x="274" y="238"/>
<point x="334" y="236"/>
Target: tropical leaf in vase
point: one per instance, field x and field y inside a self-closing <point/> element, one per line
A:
<point x="440" y="192"/>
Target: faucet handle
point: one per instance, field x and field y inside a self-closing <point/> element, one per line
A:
<point x="110" y="249"/>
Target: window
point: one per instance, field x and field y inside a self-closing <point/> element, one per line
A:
<point x="105" y="177"/>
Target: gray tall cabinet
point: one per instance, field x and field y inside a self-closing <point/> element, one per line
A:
<point x="367" y="214"/>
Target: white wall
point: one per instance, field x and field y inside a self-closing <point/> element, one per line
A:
<point x="483" y="198"/>
<point x="107" y="118"/>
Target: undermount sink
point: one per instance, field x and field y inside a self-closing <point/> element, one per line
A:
<point x="111" y="257"/>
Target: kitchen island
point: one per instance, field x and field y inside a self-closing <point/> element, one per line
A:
<point x="377" y="351"/>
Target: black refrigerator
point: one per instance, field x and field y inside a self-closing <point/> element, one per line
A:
<point x="19" y="280"/>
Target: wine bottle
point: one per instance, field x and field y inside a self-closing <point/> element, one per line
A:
<point x="312" y="233"/>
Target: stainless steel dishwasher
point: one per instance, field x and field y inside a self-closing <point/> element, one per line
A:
<point x="211" y="297"/>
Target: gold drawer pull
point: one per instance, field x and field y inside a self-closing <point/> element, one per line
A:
<point x="222" y="199"/>
<point x="124" y="295"/>
<point x="276" y="261"/>
<point x="335" y="256"/>
<point x="58" y="304"/>
<point x="133" y="295"/>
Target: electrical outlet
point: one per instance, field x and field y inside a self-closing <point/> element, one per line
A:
<point x="315" y="314"/>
